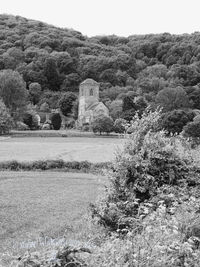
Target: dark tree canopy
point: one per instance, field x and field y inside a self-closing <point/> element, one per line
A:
<point x="174" y="121"/>
<point x="66" y="103"/>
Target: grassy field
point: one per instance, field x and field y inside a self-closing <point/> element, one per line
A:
<point x="68" y="149"/>
<point x="43" y="204"/>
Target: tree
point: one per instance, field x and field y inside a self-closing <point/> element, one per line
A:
<point x="102" y="124"/>
<point x="128" y="104"/>
<point x="115" y="109"/>
<point x="192" y="129"/>
<point x="51" y="98"/>
<point x="194" y="97"/>
<point x="113" y="92"/>
<point x="119" y="125"/>
<point x="31" y="119"/>
<point x="56" y="121"/>
<point x="6" y="121"/>
<point x="66" y="103"/>
<point x="71" y="82"/>
<point x="52" y="74"/>
<point x="174" y="121"/>
<point x="35" y="91"/>
<point x="172" y="98"/>
<point x="64" y="61"/>
<point x="12" y="90"/>
<point x="140" y="104"/>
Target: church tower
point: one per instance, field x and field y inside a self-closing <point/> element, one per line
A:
<point x="88" y="95"/>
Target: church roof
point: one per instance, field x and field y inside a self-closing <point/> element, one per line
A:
<point x="94" y="105"/>
<point x="89" y="81"/>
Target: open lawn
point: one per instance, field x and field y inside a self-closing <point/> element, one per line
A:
<point x="35" y="204"/>
<point x="66" y="148"/>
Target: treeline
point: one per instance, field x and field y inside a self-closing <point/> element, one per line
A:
<point x="53" y="60"/>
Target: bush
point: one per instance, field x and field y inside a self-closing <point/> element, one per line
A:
<point x="163" y="239"/>
<point x="31" y="119"/>
<point x="56" y="121"/>
<point x="102" y="124"/>
<point x="149" y="161"/>
<point x="119" y="125"/>
<point x="6" y="121"/>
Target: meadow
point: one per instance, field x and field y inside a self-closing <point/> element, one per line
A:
<point x="68" y="149"/>
<point x="34" y="205"/>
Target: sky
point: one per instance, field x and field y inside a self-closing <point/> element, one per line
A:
<point x="106" y="17"/>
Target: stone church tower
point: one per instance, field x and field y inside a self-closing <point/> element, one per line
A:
<point x="88" y="95"/>
<point x="89" y="105"/>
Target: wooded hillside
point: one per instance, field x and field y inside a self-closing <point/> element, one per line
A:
<point x="59" y="59"/>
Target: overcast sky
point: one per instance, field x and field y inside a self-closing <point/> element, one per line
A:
<point x="120" y="17"/>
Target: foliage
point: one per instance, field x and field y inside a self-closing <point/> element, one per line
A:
<point x="44" y="107"/>
<point x="64" y="256"/>
<point x="21" y="126"/>
<point x="115" y="109"/>
<point x="168" y="236"/>
<point x="56" y="121"/>
<point x="148" y="162"/>
<point x="59" y="59"/>
<point x="31" y="119"/>
<point x="35" y="92"/>
<point x="12" y="90"/>
<point x="51" y="98"/>
<point x="192" y="129"/>
<point x="128" y="114"/>
<point x="119" y="125"/>
<point x="52" y="75"/>
<point x="172" y="98"/>
<point x="6" y="121"/>
<point x="174" y="121"/>
<point x="102" y="124"/>
<point x="83" y="166"/>
<point x="66" y="103"/>
<point x="128" y="104"/>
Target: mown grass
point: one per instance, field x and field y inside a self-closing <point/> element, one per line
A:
<point x="50" y="148"/>
<point x="43" y="204"/>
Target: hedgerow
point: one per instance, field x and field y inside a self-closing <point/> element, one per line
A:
<point x="44" y="165"/>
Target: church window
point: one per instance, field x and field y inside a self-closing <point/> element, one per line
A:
<point x="91" y="92"/>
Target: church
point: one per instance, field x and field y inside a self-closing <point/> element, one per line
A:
<point x="89" y="105"/>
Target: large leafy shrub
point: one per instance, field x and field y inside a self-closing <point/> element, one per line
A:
<point x="148" y="162"/>
<point x="6" y="121"/>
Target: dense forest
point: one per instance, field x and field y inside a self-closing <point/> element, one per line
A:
<point x="133" y="72"/>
